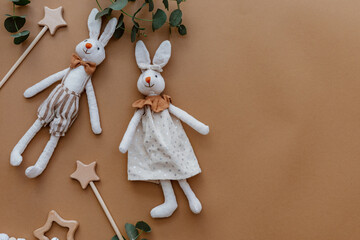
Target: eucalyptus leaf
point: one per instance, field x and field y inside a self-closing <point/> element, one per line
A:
<point x="20" y="37"/>
<point x="134" y="31"/>
<point x="21" y="2"/>
<point x="151" y="5"/>
<point x="119" y="32"/>
<point x="182" y="29"/>
<point x="166" y="4"/>
<point x="143" y="226"/>
<point x="175" y="17"/>
<point x="131" y="231"/>
<point x="116" y="238"/>
<point x="159" y="18"/>
<point x="105" y="12"/>
<point x="118" y="5"/>
<point x="120" y="21"/>
<point x="14" y="23"/>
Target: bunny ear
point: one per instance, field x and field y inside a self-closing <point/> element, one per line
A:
<point x="142" y="55"/>
<point x="94" y="25"/>
<point x="108" y="32"/>
<point x="162" y="54"/>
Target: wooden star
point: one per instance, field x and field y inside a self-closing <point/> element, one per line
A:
<point x="53" y="19"/>
<point x="72" y="225"/>
<point x="85" y="173"/>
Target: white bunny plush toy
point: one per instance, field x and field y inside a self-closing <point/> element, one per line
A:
<point x="60" y="109"/>
<point x="157" y="145"/>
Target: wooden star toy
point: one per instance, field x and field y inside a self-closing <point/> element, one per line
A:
<point x="53" y="19"/>
<point x="53" y="216"/>
<point x="86" y="175"/>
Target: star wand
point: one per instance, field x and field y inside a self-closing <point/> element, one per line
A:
<point x="52" y="21"/>
<point x="86" y="175"/>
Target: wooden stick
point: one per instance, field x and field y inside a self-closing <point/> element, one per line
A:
<point x="106" y="210"/>
<point x="23" y="56"/>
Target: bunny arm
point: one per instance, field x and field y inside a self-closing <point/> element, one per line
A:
<point x="130" y="131"/>
<point x="189" y="120"/>
<point x="93" y="108"/>
<point x="45" y="83"/>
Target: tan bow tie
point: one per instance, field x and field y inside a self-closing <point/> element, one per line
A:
<point x="157" y="103"/>
<point x="77" y="61"/>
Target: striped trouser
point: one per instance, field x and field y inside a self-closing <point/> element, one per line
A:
<point x="59" y="110"/>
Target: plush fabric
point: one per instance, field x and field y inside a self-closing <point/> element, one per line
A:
<point x="160" y="149"/>
<point x="157" y="145"/>
<point x="15" y="157"/>
<point x="157" y="103"/>
<point x="60" y="109"/>
<point x="170" y="204"/>
<point x="4" y="236"/>
<point x="43" y="160"/>
<point x="194" y="202"/>
<point x="76" y="61"/>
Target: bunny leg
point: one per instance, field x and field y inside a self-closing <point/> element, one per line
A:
<point x="169" y="206"/>
<point x="194" y="202"/>
<point x="15" y="156"/>
<point x="42" y="162"/>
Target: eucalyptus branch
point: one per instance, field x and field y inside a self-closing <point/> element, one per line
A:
<point x="98" y="5"/>
<point x="14" y="23"/>
<point x="141" y="19"/>
<point x="159" y="17"/>
<point x="133" y="232"/>
<point x="17" y="29"/>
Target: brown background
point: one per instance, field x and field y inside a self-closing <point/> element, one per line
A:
<point x="278" y="83"/>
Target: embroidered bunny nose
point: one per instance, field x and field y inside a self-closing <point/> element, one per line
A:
<point x="147" y="79"/>
<point x="88" y="45"/>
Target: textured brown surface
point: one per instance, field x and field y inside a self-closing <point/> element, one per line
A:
<point x="278" y="83"/>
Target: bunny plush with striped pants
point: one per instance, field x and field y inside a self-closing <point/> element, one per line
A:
<point x="60" y="109"/>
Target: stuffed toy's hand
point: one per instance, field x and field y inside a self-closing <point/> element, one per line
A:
<point x="30" y="92"/>
<point x="123" y="148"/>
<point x="96" y="129"/>
<point x="204" y="129"/>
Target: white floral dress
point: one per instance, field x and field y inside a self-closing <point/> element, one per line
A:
<point x="160" y="149"/>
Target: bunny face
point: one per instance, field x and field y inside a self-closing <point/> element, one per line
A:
<point x="93" y="48"/>
<point x="150" y="81"/>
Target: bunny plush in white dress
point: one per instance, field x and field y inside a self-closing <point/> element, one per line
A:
<point x="157" y="145"/>
<point x="60" y="109"/>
